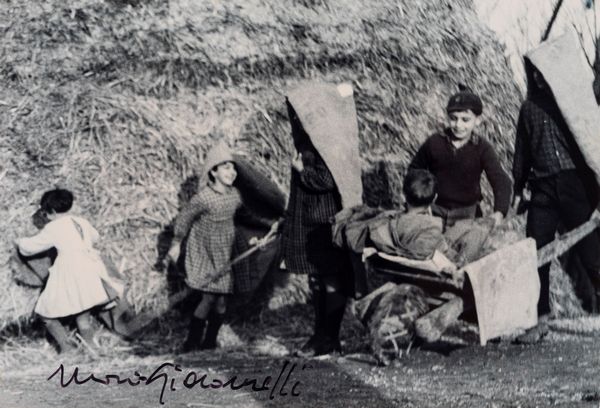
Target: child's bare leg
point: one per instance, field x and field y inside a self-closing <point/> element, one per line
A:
<point x="205" y="306"/>
<point x="59" y="333"/>
<point x="85" y="327"/>
<point x="216" y="317"/>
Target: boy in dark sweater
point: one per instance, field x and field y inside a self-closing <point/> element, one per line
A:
<point x="457" y="157"/>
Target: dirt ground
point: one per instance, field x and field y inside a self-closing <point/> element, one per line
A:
<point x="562" y="371"/>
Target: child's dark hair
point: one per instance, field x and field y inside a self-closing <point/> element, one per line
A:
<point x="57" y="201"/>
<point x="420" y="187"/>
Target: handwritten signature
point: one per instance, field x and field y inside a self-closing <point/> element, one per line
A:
<point x="165" y="375"/>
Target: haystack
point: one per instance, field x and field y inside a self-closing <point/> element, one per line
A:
<point x="119" y="102"/>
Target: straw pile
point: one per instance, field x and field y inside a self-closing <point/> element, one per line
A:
<point x="118" y="103"/>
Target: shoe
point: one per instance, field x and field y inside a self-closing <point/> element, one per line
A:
<point x="330" y="346"/>
<point x="308" y="348"/>
<point x="310" y="344"/>
<point x="195" y="333"/>
<point x="320" y="347"/>
<point x="533" y="335"/>
<point x="212" y="331"/>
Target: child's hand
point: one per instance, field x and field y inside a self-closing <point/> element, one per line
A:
<point x="274" y="228"/>
<point x="174" y="252"/>
<point x="253" y="241"/>
<point x="297" y="162"/>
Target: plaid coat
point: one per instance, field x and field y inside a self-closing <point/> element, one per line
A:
<point x="307" y="231"/>
<point x="211" y="238"/>
<point x="544" y="144"/>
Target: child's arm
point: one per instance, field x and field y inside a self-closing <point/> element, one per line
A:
<point x="183" y="223"/>
<point x="43" y="241"/>
<point x="499" y="180"/>
<point x="187" y="215"/>
<point x="421" y="159"/>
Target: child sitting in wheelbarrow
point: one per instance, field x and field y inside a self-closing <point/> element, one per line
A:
<point x="412" y="247"/>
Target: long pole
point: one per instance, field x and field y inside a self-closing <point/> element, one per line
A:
<point x="552" y="20"/>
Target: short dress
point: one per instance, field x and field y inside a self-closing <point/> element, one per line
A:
<point x="211" y="239"/>
<point x="77" y="279"/>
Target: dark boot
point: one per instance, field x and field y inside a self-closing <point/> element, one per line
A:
<point x="212" y="330"/>
<point x="332" y="312"/>
<point x="534" y="335"/>
<point x="336" y="306"/>
<point x="195" y="333"/>
<point x="59" y="334"/>
<point x="319" y="305"/>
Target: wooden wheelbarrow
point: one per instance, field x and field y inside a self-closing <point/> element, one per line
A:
<point x="452" y="291"/>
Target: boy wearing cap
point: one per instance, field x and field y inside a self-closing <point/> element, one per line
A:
<point x="457" y="157"/>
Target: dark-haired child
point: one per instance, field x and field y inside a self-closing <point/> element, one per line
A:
<point x="457" y="157"/>
<point x="78" y="279"/>
<point x="416" y="233"/>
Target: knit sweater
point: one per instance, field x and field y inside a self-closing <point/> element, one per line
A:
<point x="458" y="171"/>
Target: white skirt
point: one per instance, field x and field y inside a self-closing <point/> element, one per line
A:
<point x="74" y="285"/>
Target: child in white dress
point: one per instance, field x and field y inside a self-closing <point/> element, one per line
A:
<point x="78" y="280"/>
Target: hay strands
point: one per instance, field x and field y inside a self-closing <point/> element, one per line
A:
<point x="87" y="346"/>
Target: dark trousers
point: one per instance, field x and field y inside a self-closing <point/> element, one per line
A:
<point x="563" y="202"/>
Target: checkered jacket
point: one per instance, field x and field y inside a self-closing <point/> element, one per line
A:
<point x="307" y="238"/>
<point x="544" y="146"/>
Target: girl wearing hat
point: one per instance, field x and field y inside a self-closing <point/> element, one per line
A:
<point x="209" y="218"/>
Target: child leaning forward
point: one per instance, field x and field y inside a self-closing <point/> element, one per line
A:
<point x="78" y="280"/>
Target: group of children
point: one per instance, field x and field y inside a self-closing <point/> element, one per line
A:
<point x="442" y="191"/>
<point x="441" y="188"/>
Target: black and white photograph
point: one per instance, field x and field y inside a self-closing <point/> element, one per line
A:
<point x="300" y="203"/>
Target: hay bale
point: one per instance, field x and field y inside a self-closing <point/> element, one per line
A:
<point x="119" y="103"/>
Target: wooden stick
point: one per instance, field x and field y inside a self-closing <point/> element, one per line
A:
<point x="431" y="326"/>
<point x="565" y="242"/>
<point x="552" y="20"/>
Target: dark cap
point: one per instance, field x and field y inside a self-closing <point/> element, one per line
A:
<point x="465" y="99"/>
